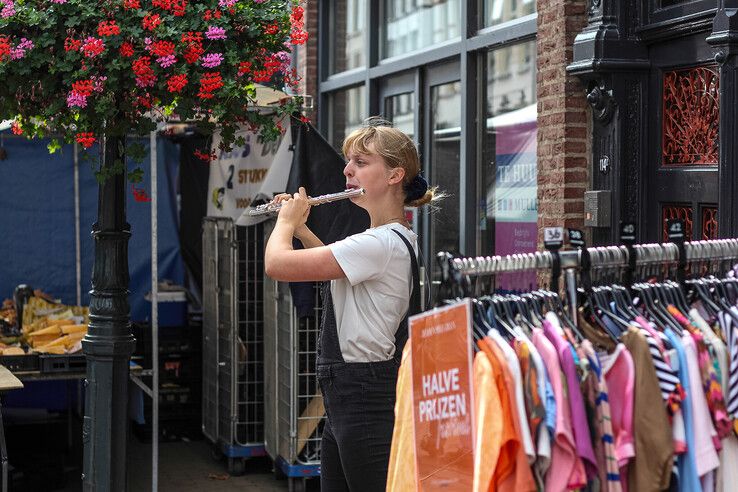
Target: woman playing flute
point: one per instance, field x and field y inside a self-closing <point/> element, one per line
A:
<point x="373" y="279"/>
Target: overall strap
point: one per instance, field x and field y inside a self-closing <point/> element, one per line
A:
<point x="414" y="308"/>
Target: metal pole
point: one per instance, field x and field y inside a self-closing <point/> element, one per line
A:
<point x="154" y="317"/>
<point x="109" y="343"/>
<point x="77" y="239"/>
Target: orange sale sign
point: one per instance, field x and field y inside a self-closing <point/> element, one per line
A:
<point x="443" y="404"/>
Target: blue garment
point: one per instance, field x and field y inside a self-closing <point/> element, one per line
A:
<point x="550" y="402"/>
<point x="689" y="481"/>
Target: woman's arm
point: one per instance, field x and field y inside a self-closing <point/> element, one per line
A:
<point x="282" y="262"/>
<point x="307" y="237"/>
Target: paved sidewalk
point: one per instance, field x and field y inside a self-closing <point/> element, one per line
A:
<point x="189" y="466"/>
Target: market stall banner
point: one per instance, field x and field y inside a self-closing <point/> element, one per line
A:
<point x="37" y="200"/>
<point x="252" y="172"/>
<point x="441" y="358"/>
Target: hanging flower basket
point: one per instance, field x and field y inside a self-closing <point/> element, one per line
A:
<point x="79" y="71"/>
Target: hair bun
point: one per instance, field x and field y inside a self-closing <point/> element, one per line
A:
<point x="415" y="188"/>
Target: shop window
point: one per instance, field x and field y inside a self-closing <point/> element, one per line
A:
<point x="508" y="207"/>
<point x="347" y="47"/>
<point x="445" y="167"/>
<point x="408" y="26"/>
<point x="400" y="110"/>
<point x="347" y="113"/>
<point x="499" y="11"/>
<point x="691" y="117"/>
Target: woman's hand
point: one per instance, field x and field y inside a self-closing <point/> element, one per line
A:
<point x="295" y="209"/>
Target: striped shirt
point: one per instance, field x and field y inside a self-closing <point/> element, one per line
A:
<point x="730" y="334"/>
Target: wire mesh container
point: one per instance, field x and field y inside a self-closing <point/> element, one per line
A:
<point x="292" y="400"/>
<point x="233" y="339"/>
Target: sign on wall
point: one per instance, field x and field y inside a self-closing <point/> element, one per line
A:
<point x="254" y="171"/>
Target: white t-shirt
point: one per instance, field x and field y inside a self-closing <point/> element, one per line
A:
<point x="374" y="297"/>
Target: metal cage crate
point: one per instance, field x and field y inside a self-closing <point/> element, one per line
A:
<point x="233" y="344"/>
<point x="292" y="400"/>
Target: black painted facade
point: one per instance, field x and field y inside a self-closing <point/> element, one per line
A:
<point x="661" y="81"/>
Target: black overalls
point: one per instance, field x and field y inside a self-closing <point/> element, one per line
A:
<point x="359" y="401"/>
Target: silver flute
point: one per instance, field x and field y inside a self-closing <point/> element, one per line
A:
<point x="272" y="208"/>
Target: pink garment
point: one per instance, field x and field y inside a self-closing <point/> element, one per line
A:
<point x="619" y="372"/>
<point x="567" y="470"/>
<point x="704" y="449"/>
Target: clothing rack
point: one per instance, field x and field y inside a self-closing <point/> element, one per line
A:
<point x="715" y="252"/>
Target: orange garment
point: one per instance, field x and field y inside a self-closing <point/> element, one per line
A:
<point x="401" y="473"/>
<point x="512" y="472"/>
<point x="492" y="429"/>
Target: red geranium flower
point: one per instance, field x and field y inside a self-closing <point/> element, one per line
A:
<point x="271" y="29"/>
<point x="108" y="28"/>
<point x="83" y="87"/>
<point x="244" y="68"/>
<point x="72" y="44"/>
<point x="86" y="139"/>
<point x="126" y="49"/>
<point x="131" y="4"/>
<point x="298" y="37"/>
<point x="16" y="128"/>
<point x="93" y="47"/>
<point x="151" y="21"/>
<point x="177" y="82"/>
<point x="162" y="48"/>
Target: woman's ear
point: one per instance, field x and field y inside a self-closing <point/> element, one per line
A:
<point x="397" y="174"/>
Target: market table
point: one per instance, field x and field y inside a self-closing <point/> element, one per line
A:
<point x="8" y="382"/>
<point x="14" y="380"/>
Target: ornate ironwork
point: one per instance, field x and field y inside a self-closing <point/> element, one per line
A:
<point x="632" y="164"/>
<point x="691" y="116"/>
<point x="602" y="102"/>
<point x="709" y="223"/>
<point x="672" y="211"/>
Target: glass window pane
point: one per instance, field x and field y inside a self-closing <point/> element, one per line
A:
<point x="400" y="110"/>
<point x="347" y="113"/>
<point x="499" y="11"/>
<point x="348" y="19"/>
<point x="415" y="24"/>
<point x="509" y="207"/>
<point x="445" y="168"/>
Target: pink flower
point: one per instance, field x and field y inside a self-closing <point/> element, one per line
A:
<point x="214" y="32"/>
<point x="224" y="4"/>
<point x="99" y="82"/>
<point x="166" y="61"/>
<point x="25" y="44"/>
<point x="17" y="53"/>
<point x="8" y="10"/>
<point x="76" y="99"/>
<point x="59" y="1"/>
<point x="212" y="60"/>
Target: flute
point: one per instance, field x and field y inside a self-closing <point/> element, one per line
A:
<point x="271" y="207"/>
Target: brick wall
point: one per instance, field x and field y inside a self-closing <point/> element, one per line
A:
<point x="307" y="58"/>
<point x="563" y="118"/>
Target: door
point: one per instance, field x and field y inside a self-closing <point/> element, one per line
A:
<point x="426" y="104"/>
<point x="399" y="104"/>
<point x="683" y="163"/>
<point x="442" y="163"/>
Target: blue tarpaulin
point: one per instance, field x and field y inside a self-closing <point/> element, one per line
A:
<point x="37" y="225"/>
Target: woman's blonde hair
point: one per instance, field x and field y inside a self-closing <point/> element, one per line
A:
<point x="394" y="146"/>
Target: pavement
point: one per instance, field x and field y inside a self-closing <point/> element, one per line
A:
<point x="191" y="466"/>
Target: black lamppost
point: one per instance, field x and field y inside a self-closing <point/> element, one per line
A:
<point x="109" y="342"/>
